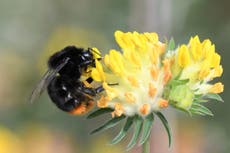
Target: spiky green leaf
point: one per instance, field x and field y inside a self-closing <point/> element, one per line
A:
<point x="166" y="125"/>
<point x="123" y="131"/>
<point x="138" y="121"/>
<point x="146" y="130"/>
<point x="111" y="123"/>
<point x="99" y="112"/>
<point x="200" y="110"/>
<point x="214" y="96"/>
<point x="200" y="100"/>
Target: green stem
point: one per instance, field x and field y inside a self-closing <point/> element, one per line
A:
<point x="146" y="146"/>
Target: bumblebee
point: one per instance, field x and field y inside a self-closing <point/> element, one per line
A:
<point x="62" y="80"/>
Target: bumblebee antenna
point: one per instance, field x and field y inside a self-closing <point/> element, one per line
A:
<point x="91" y="49"/>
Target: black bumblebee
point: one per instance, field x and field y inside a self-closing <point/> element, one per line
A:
<point x="63" y="83"/>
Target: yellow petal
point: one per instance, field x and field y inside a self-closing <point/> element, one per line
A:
<point x="145" y="108"/>
<point x="218" y="71"/>
<point x="217" y="88"/>
<point x="98" y="72"/>
<point x="215" y="61"/>
<point x="204" y="70"/>
<point x="196" y="48"/>
<point x="183" y="56"/>
<point x="116" y="62"/>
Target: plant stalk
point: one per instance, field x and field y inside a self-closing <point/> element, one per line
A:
<point x="146" y="146"/>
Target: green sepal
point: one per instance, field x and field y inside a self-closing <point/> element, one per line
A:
<point x="123" y="131"/>
<point x="181" y="96"/>
<point x="99" y="112"/>
<point x="176" y="82"/>
<point x="214" y="96"/>
<point x="146" y="129"/>
<point x="138" y="122"/>
<point x="200" y="101"/>
<point x="170" y="45"/>
<point x="200" y="110"/>
<point x="109" y="124"/>
<point x="166" y="125"/>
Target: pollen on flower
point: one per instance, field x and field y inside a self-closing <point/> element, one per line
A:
<point x="133" y="81"/>
<point x="163" y="103"/>
<point x="118" y="110"/>
<point x="102" y="102"/>
<point x="130" y="97"/>
<point x="152" y="90"/>
<point x="111" y="92"/>
<point x="154" y="56"/>
<point x="144" y="109"/>
<point x="167" y="71"/>
<point x="154" y="71"/>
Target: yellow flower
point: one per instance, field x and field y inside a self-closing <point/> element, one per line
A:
<point x="138" y="75"/>
<point x="183" y="56"/>
<point x="147" y="76"/>
<point x="217" y="88"/>
<point x="198" y="63"/>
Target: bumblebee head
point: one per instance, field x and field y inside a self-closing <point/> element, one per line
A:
<point x="59" y="57"/>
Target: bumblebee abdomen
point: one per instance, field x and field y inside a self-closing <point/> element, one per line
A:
<point x="67" y="97"/>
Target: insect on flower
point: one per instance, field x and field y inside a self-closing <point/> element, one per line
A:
<point x="63" y="79"/>
<point x="136" y="83"/>
<point x="151" y="76"/>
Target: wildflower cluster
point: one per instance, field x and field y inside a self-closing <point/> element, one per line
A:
<point x="147" y="76"/>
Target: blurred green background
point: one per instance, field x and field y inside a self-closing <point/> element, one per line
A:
<point x="30" y="31"/>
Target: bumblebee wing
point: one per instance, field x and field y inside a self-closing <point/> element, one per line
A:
<point x="46" y="79"/>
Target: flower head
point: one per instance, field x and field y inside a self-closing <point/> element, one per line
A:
<point x="134" y="79"/>
<point x="194" y="66"/>
<point x="146" y="76"/>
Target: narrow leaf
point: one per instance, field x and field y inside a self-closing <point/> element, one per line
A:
<point x="192" y="112"/>
<point x="137" y="130"/>
<point x="123" y="131"/>
<point x="214" y="96"/>
<point x="99" y="112"/>
<point x="166" y="125"/>
<point x="146" y="130"/>
<point x="111" y="123"/>
<point x="198" y="96"/>
<point x="200" y="100"/>
<point x="200" y="109"/>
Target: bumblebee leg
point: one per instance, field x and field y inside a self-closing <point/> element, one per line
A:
<point x="89" y="80"/>
<point x="99" y="89"/>
<point x="113" y="84"/>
